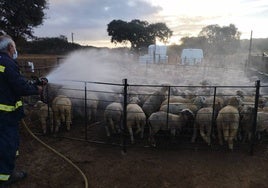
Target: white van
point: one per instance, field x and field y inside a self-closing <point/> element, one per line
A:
<point x="156" y="54"/>
<point x="191" y="56"/>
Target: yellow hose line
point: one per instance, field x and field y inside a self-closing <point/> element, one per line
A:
<point x="56" y="152"/>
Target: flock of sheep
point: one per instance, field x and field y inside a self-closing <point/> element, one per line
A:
<point x="224" y="117"/>
<point x="53" y="116"/>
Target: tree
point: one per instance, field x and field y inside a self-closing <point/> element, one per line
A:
<point x="221" y="40"/>
<point x="138" y="33"/>
<point x="55" y="45"/>
<point x="19" y="17"/>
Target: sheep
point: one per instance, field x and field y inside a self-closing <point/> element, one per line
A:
<point x="247" y="118"/>
<point x="217" y="102"/>
<point x="175" y="99"/>
<point x="62" y="111"/>
<point x="135" y="118"/>
<point x="204" y="120"/>
<point x="113" y="115"/>
<point x="228" y="122"/>
<point x="45" y="115"/>
<point x="78" y="104"/>
<point x="153" y="102"/>
<point x="158" y="121"/>
<point x="262" y="123"/>
<point x="176" y="108"/>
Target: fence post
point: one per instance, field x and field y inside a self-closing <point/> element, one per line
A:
<point x="86" y="115"/>
<point x="124" y="148"/>
<point x="213" y="123"/>
<point x="168" y="106"/>
<point x="254" y="123"/>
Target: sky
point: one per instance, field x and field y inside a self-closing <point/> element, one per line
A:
<point x="85" y="21"/>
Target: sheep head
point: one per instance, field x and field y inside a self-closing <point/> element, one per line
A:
<point x="187" y="114"/>
<point x="39" y="104"/>
<point x="134" y="100"/>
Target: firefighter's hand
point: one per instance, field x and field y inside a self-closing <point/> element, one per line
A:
<point x="44" y="81"/>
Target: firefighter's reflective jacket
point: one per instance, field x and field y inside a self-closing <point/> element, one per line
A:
<point x="13" y="86"/>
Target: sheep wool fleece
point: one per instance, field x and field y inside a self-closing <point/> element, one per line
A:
<point x="12" y="87"/>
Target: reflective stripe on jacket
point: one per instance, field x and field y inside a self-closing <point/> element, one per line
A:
<point x="8" y="108"/>
<point x="13" y="86"/>
<point x="2" y="68"/>
<point x="4" y="177"/>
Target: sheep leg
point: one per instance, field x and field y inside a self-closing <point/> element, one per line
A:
<point x="68" y="125"/>
<point x="49" y="121"/>
<point x="57" y="127"/>
<point x="205" y="132"/>
<point x="173" y="132"/>
<point x="94" y="114"/>
<point x="107" y="130"/>
<point x="68" y="120"/>
<point x="208" y="133"/>
<point x="203" y="135"/>
<point x="111" y="122"/>
<point x="131" y="134"/>
<point x="138" y="128"/>
<point x="89" y="114"/>
<point x="142" y="130"/>
<point x="226" y="130"/>
<point x="44" y="125"/>
<point x="151" y="138"/>
<point x="232" y="135"/>
<point x="249" y="136"/>
<point x="118" y="127"/>
<point x="219" y="128"/>
<point x="194" y="133"/>
<point x="57" y="121"/>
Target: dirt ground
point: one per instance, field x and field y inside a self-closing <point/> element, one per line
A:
<point x="105" y="166"/>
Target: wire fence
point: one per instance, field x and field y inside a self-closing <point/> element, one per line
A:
<point x="170" y="115"/>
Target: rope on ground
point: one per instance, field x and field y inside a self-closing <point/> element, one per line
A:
<point x="56" y="152"/>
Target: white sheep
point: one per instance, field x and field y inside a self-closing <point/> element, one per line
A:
<point x="203" y="122"/>
<point x="45" y="115"/>
<point x="158" y="121"/>
<point x="228" y="122"/>
<point x="113" y="116"/>
<point x="62" y="111"/>
<point x="136" y="118"/>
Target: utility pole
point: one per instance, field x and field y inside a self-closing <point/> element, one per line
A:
<point x="72" y="38"/>
<point x="249" y="50"/>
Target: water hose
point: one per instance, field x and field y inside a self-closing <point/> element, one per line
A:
<point x="56" y="152"/>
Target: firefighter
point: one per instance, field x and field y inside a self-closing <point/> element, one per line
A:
<point x="12" y="87"/>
